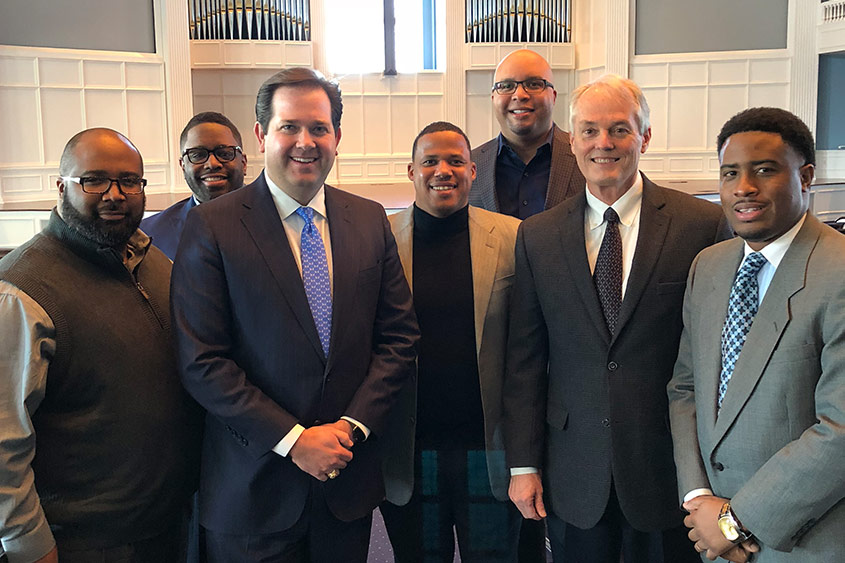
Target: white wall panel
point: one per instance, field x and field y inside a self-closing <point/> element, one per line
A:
<point x="144" y="75"/>
<point x="147" y="124"/>
<point x="18" y="71"/>
<point x="62" y="110"/>
<point x="728" y="72"/>
<point x="102" y="73"/>
<point x="692" y="95"/>
<point x="688" y="74"/>
<point x="724" y="102"/>
<point x="650" y="75"/>
<point x="352" y="126"/>
<point x="658" y="106"/>
<point x="403" y="123"/>
<point x="769" y="95"/>
<point x="429" y="109"/>
<point x="377" y="120"/>
<point x="687" y="117"/>
<point x="20" y="148"/>
<point x="769" y="70"/>
<point x="56" y="93"/>
<point x="105" y="108"/>
<point x="59" y="72"/>
<point x="22" y="183"/>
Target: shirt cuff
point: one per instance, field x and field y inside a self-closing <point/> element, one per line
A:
<point x="523" y="471"/>
<point x="32" y="546"/>
<point x="285" y="444"/>
<point x="697" y="493"/>
<point x="354" y="422"/>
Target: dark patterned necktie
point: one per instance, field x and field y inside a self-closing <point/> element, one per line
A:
<point x="315" y="277"/>
<point x="608" y="273"/>
<point x="742" y="307"/>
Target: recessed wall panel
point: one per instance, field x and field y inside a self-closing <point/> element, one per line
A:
<point x="686" y="110"/>
<point x="377" y="135"/>
<point x="724" y="103"/>
<point x="17" y="148"/>
<point x="105" y="108"/>
<point x="62" y="111"/>
<point x="147" y="124"/>
<point x="102" y="73"/>
<point x="352" y="126"/>
<point x="59" y="72"/>
<point x="403" y="113"/>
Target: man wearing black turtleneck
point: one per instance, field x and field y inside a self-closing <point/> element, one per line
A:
<point x="459" y="262"/>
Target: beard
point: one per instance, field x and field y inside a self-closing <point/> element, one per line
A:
<point x="104" y="233"/>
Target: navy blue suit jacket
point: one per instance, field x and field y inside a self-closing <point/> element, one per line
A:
<point x="249" y="353"/>
<point x="165" y="227"/>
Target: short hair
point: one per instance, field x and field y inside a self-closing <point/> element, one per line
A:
<point x="437" y="127"/>
<point x="296" y="77"/>
<point x="792" y="130"/>
<point x="209" y="117"/>
<point x="622" y="87"/>
<point x="66" y="161"/>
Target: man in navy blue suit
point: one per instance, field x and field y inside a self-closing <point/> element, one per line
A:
<point x="295" y="332"/>
<point x="214" y="163"/>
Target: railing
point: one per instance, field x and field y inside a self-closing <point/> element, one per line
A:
<point x="272" y="20"/>
<point x="833" y="11"/>
<point x="518" y="21"/>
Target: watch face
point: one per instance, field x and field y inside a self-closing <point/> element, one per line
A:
<point x="728" y="529"/>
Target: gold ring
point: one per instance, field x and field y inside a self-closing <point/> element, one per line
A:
<point x="333" y="474"/>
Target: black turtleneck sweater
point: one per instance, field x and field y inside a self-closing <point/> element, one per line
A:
<point x="449" y="412"/>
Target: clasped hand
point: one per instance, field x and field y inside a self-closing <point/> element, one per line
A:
<point x="322" y="449"/>
<point x="703" y="521"/>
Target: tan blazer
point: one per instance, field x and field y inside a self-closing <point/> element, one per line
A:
<point x="491" y="239"/>
<point x="777" y="448"/>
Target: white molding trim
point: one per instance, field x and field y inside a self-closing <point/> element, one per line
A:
<point x="173" y="37"/>
<point x="804" y="80"/>
<point x="618" y="35"/>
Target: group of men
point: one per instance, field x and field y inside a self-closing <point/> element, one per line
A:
<point x="468" y="373"/>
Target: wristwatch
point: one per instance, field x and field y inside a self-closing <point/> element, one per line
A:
<point x="730" y="527"/>
<point x="358" y="435"/>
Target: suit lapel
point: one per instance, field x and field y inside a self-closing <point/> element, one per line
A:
<point x="403" y="232"/>
<point x="654" y="224"/>
<point x="769" y="324"/>
<point x="344" y="266"/>
<point x="574" y="248"/>
<point x="484" y="257"/>
<point x="717" y="283"/>
<point x="261" y="220"/>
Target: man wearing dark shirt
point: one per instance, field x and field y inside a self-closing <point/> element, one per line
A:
<point x="529" y="167"/>
<point x="459" y="262"/>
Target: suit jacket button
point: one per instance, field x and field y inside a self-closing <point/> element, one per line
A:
<point x="718" y="466"/>
<point x="612" y="366"/>
<point x="605" y="422"/>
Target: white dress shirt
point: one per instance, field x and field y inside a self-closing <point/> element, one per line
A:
<point x="293" y="224"/>
<point x="628" y="208"/>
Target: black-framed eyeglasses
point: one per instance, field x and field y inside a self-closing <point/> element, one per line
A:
<point x="98" y="185"/>
<point x="223" y="153"/>
<point x="530" y="85"/>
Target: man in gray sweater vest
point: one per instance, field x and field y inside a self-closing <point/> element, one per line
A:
<point x="88" y="370"/>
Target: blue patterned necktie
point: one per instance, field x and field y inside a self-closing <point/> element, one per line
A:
<point x="315" y="277"/>
<point x="608" y="272"/>
<point x="742" y="307"/>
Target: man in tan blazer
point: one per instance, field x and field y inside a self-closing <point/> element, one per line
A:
<point x="459" y="262"/>
<point x="757" y="400"/>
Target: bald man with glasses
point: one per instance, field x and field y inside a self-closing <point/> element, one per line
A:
<point x="88" y="370"/>
<point x="529" y="166"/>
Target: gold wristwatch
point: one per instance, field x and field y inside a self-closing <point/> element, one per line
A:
<point x="730" y="527"/>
